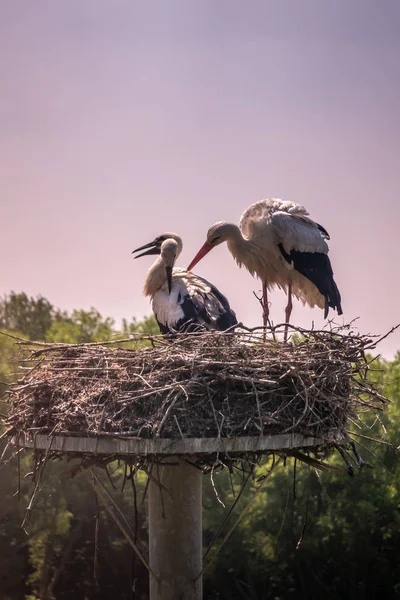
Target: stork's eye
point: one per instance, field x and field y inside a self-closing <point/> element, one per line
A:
<point x="159" y="240"/>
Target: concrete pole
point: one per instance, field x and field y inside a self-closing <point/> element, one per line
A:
<point x="175" y="531"/>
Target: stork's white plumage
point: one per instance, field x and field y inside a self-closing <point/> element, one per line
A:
<point x="181" y="300"/>
<point x="277" y="241"/>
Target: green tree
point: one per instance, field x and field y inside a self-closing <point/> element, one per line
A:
<point x="10" y="357"/>
<point x="147" y="326"/>
<point x="32" y="316"/>
<point x="81" y="327"/>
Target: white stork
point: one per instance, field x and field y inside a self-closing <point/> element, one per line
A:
<point x="182" y="301"/>
<point x="277" y="241"/>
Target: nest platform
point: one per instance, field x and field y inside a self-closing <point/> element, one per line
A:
<point x="201" y="394"/>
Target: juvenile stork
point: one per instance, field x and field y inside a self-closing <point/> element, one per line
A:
<point x="278" y="242"/>
<point x="181" y="300"/>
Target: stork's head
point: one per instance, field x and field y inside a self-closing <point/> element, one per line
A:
<point x="168" y="246"/>
<point x="218" y="233"/>
<point x="154" y="247"/>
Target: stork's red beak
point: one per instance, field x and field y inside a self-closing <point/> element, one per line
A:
<point x="205" y="249"/>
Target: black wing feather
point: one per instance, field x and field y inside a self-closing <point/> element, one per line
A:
<point x="203" y="311"/>
<point x="317" y="267"/>
<point x="323" y="231"/>
<point x="214" y="299"/>
<point x="209" y="310"/>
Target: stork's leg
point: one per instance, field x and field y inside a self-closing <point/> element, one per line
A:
<point x="288" y="312"/>
<point x="265" y="310"/>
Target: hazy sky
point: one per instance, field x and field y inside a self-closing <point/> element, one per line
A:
<point x="123" y="119"/>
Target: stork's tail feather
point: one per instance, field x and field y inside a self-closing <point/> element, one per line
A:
<point x="332" y="298"/>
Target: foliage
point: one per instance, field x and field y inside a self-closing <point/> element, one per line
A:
<point x="38" y="319"/>
<point x="9" y="362"/>
<point x="147" y="326"/>
<point x="32" y="316"/>
<point x="81" y="327"/>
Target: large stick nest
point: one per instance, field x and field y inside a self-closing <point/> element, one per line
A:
<point x="203" y="385"/>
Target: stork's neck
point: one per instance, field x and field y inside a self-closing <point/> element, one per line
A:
<point x="156" y="277"/>
<point x="241" y="248"/>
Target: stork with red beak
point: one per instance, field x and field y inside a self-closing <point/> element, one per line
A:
<point x="278" y="242"/>
<point x="181" y="300"/>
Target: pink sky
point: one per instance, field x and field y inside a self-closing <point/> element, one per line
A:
<point x="120" y="120"/>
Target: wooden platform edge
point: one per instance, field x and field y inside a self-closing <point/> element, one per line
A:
<point x="145" y="447"/>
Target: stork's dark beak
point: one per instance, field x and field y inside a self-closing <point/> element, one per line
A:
<point x="153" y="249"/>
<point x="205" y="249"/>
<point x="169" y="278"/>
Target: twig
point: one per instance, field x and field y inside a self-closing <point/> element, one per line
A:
<point x="105" y="500"/>
<point x="233" y="527"/>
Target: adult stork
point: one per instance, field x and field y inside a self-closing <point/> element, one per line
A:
<point x="181" y="300"/>
<point x="277" y="241"/>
